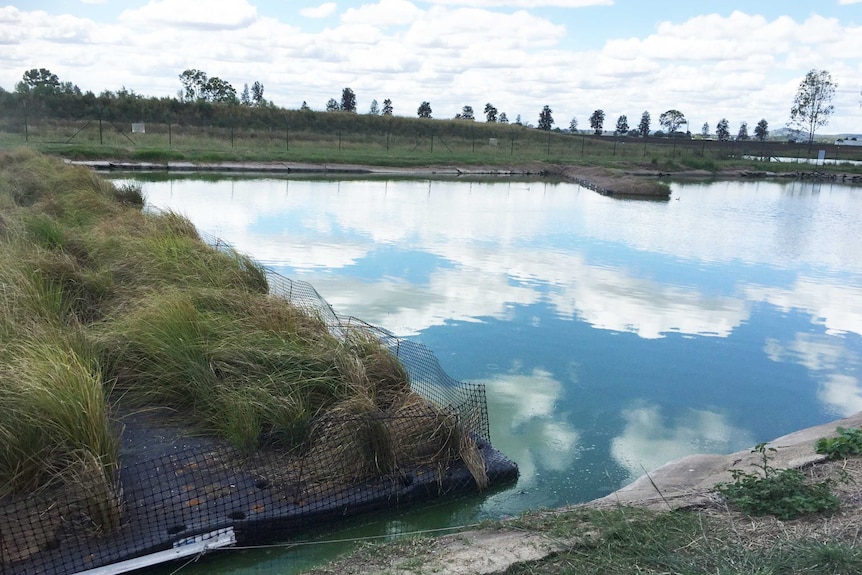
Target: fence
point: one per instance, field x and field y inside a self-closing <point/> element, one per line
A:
<point x="183" y="495"/>
<point x="324" y="136"/>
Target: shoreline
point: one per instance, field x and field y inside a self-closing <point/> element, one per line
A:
<point x="624" y="183"/>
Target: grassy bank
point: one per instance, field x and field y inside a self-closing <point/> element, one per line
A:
<point x="107" y="309"/>
<point x="332" y="137"/>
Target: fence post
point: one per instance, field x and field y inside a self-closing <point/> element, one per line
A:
<point x="100" y="125"/>
<point x="583" y="144"/>
<point x="512" y="151"/>
<point x="170" y="135"/>
<point x="387" y="141"/>
<point x="549" y="145"/>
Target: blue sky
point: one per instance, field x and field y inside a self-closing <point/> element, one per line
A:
<point x="734" y="59"/>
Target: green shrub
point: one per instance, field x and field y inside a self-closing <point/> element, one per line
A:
<point x="783" y="493"/>
<point x="848" y="442"/>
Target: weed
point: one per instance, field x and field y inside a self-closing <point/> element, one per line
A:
<point x="783" y="493"/>
<point x="848" y="442"/>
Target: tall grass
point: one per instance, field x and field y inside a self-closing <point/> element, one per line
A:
<point x="104" y="307"/>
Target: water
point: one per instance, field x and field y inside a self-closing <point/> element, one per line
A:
<point x="613" y="336"/>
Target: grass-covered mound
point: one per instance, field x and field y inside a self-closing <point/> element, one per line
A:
<point x="105" y="308"/>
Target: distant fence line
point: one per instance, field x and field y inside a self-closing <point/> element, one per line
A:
<point x="336" y="133"/>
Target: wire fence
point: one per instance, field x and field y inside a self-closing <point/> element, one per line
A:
<point x="175" y="495"/>
<point x="318" y="135"/>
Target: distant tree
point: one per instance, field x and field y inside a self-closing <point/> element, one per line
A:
<point x="218" y="90"/>
<point x="38" y="81"/>
<point x="597" y="121"/>
<point x="257" y="94"/>
<point x="332" y="105"/>
<point x="812" y="105"/>
<point x="704" y="130"/>
<point x="194" y="84"/>
<point x="722" y="130"/>
<point x="573" y="125"/>
<point x="518" y="120"/>
<point x="546" y="120"/>
<point x="743" y="132"/>
<point x="424" y="110"/>
<point x="504" y="119"/>
<point x="348" y="101"/>
<point x="761" y="130"/>
<point x="671" y="121"/>
<point x="467" y="113"/>
<point x="622" y="125"/>
<point x="643" y="126"/>
<point x="245" y="97"/>
<point x="490" y="113"/>
<point x="304" y="106"/>
<point x="374" y="110"/>
<point x="387" y="107"/>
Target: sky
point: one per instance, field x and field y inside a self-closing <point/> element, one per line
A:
<point x="741" y="60"/>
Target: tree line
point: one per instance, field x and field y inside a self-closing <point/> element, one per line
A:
<point x="204" y="99"/>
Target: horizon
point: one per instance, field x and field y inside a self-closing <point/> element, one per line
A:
<point x="708" y="60"/>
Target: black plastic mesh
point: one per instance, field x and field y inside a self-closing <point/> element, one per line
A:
<point x="435" y="443"/>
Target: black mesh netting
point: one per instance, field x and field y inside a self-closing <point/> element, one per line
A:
<point x="172" y="489"/>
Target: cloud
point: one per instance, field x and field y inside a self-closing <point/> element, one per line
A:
<point x="650" y="439"/>
<point x="491" y="4"/>
<point x="325" y="10"/>
<point x="525" y="419"/>
<point x="217" y="15"/>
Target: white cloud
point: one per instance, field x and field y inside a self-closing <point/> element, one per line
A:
<point x="491" y="4"/>
<point x="524" y="418"/>
<point x="325" y="10"/>
<point x="841" y="393"/>
<point x="218" y="15"/>
<point x="649" y="439"/>
<point x="384" y="13"/>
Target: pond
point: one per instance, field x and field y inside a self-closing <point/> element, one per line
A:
<point x="612" y="335"/>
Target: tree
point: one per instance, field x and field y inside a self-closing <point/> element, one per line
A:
<point x="304" y="106"/>
<point x="743" y="132"/>
<point x="490" y="112"/>
<point x="194" y="83"/>
<point x="622" y="125"/>
<point x="643" y="126"/>
<point x="387" y="107"/>
<point x="573" y="125"/>
<point x="424" y="110"/>
<point x="245" y="98"/>
<point x="761" y="130"/>
<point x="257" y="94"/>
<point x="504" y="119"/>
<point x="722" y="130"/>
<point x="812" y="105"/>
<point x="671" y="121"/>
<point x="597" y="120"/>
<point x="704" y="130"/>
<point x="348" y="101"/>
<point x="518" y="119"/>
<point x="546" y="121"/>
<point x="467" y="113"/>
<point x="218" y="90"/>
<point x="375" y="109"/>
<point x="332" y="105"/>
<point x="38" y="81"/>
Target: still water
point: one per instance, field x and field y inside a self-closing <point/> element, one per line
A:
<point x="612" y="336"/>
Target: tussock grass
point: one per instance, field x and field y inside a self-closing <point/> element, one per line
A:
<point x="105" y="307"/>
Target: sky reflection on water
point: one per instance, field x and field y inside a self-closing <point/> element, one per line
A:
<point x="613" y="336"/>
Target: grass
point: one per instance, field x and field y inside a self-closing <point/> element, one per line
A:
<point x="318" y="137"/>
<point x="105" y="308"/>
